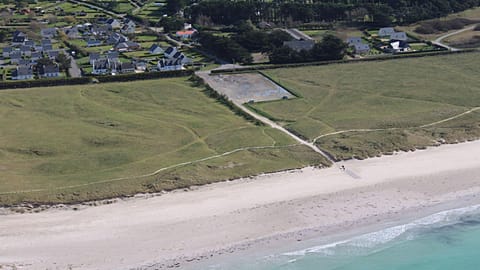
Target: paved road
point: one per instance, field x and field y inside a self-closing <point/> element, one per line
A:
<point x="438" y="41"/>
<point x="74" y="70"/>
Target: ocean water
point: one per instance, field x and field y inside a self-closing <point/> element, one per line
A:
<point x="446" y="240"/>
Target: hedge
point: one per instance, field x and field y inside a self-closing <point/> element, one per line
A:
<point x="44" y="83"/>
<point x="345" y="61"/>
<point x="144" y="76"/>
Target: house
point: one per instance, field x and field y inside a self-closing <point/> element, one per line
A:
<point x="386" y="31"/>
<point x="100" y="67"/>
<point x="18" y="33"/>
<point x="93" y="56"/>
<point x="25" y="62"/>
<point x="48" y="32"/>
<point x="35" y="56"/>
<point x="72" y="32"/>
<point x="7" y="51"/>
<point x="399" y="36"/>
<point x="127" y="67"/>
<point x="25" y="50"/>
<point x="170" y="52"/>
<point x="354" y="40"/>
<point x="22" y="73"/>
<point x="113" y="23"/>
<point x="93" y="42"/>
<point x="141" y="66"/>
<point x="300" y="45"/>
<point x="127" y="46"/>
<point x="127" y="29"/>
<point x="52" y="54"/>
<point x="18" y="40"/>
<point x="112" y="56"/>
<point x="169" y="64"/>
<point x="186" y="34"/>
<point x="129" y="23"/>
<point x="361" y="48"/>
<point x="48" y="71"/>
<point x="46" y="47"/>
<point x="15" y="57"/>
<point x="29" y="43"/>
<point x="399" y="46"/>
<point x="116" y="38"/>
<point x="156" y="49"/>
<point x="183" y="59"/>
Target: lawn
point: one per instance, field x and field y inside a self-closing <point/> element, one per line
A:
<point x="68" y="144"/>
<point x="396" y="96"/>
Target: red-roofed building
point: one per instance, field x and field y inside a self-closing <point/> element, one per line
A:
<point x="186" y="34"/>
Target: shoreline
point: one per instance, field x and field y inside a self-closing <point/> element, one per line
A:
<point x="266" y="212"/>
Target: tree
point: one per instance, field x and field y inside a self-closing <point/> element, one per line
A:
<point x="171" y="24"/>
<point x="330" y="48"/>
<point x="174" y="6"/>
<point x="44" y="62"/>
<point x="64" y="61"/>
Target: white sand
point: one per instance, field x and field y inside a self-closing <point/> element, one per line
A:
<point x="230" y="216"/>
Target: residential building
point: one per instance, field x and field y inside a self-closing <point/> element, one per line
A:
<point x="18" y="40"/>
<point x="399" y="36"/>
<point x="93" y="56"/>
<point x="361" y="48"/>
<point x="354" y="40"/>
<point x="300" y="45"/>
<point x="156" y="49"/>
<point x="399" y="46"/>
<point x="100" y="67"/>
<point x="127" y="46"/>
<point x="22" y="73"/>
<point x="170" y="52"/>
<point x="127" y="67"/>
<point x="48" y="71"/>
<point x="25" y="50"/>
<point x="15" y="57"/>
<point x="48" y="32"/>
<point x="186" y="34"/>
<point x="169" y="64"/>
<point x="93" y="42"/>
<point x="386" y="31"/>
<point x="52" y="54"/>
<point x="35" y="56"/>
<point x="7" y="51"/>
<point x="113" y="23"/>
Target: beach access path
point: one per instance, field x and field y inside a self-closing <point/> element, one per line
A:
<point x="180" y="228"/>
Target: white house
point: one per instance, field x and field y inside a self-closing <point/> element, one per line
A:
<point x="170" y="52"/>
<point x="186" y="34"/>
<point x="386" y="31"/>
<point x="169" y="64"/>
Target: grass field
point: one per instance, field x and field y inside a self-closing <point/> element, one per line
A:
<point x="68" y="144"/>
<point x="395" y="97"/>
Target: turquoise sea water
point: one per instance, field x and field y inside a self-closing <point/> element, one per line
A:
<point x="447" y="240"/>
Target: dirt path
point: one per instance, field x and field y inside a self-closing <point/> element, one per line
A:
<point x="390" y="129"/>
<point x="438" y="41"/>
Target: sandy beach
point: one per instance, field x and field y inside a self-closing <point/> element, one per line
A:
<point x="180" y="228"/>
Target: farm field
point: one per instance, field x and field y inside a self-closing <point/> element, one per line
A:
<point x="385" y="103"/>
<point x="78" y="143"/>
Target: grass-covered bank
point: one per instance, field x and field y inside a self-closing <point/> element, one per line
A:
<point x="384" y="103"/>
<point x="77" y="143"/>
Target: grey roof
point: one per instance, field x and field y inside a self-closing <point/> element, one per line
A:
<point x="30" y="43"/>
<point x="22" y="71"/>
<point x="46" y="42"/>
<point x="24" y="48"/>
<point x="16" y="55"/>
<point x="94" y="56"/>
<point x="44" y="69"/>
<point x="48" y="32"/>
<point x="47" y="47"/>
<point x="299" y="45"/>
<point x="17" y="33"/>
<point x="7" y="49"/>
<point x="36" y="55"/>
<point x="169" y="50"/>
<point x="124" y="66"/>
<point x="112" y="55"/>
<point x="52" y="54"/>
<point x="19" y="39"/>
<point x="354" y="40"/>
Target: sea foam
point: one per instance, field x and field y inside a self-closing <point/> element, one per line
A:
<point x="377" y="239"/>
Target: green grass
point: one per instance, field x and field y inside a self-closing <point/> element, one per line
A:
<point x="400" y="94"/>
<point x="70" y="142"/>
